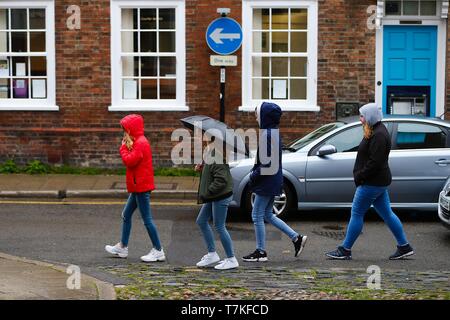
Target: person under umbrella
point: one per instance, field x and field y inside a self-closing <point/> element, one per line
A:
<point x="215" y="194"/>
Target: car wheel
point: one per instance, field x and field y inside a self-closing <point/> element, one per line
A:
<point x="283" y="204"/>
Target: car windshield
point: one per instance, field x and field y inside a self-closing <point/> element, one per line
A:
<point x="300" y="143"/>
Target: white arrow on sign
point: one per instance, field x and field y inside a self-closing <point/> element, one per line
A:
<point x="217" y="36"/>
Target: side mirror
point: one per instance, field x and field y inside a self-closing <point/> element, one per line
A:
<point x="326" y="150"/>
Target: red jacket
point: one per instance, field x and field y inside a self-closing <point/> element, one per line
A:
<point x="138" y="160"/>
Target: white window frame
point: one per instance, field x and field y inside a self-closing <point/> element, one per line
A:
<point x="310" y="104"/>
<point x="414" y="17"/>
<point x="48" y="104"/>
<point x="119" y="104"/>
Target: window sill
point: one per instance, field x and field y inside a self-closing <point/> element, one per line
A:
<point x="284" y="108"/>
<point x="27" y="108"/>
<point x="153" y="108"/>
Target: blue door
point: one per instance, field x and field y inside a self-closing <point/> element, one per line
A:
<point x="409" y="65"/>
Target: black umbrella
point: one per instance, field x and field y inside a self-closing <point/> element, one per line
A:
<point x="206" y="123"/>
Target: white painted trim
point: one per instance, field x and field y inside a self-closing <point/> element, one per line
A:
<point x="440" y="60"/>
<point x="148" y="108"/>
<point x="25" y="107"/>
<point x="440" y="72"/>
<point x="285" y="108"/>
<point x="25" y="3"/>
<point x="48" y="104"/>
<point x="118" y="104"/>
<point x="441" y="12"/>
<point x="379" y="66"/>
<point x="380" y="9"/>
<point x="313" y="25"/>
<point x="444" y="10"/>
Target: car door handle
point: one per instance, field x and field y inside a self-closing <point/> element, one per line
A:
<point x="442" y="162"/>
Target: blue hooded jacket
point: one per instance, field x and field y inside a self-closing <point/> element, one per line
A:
<point x="269" y="115"/>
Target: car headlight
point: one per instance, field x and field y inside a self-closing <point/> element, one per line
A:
<point x="447" y="186"/>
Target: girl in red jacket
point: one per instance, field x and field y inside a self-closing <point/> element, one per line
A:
<point x="136" y="155"/>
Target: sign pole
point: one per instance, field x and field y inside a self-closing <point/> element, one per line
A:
<point x="224" y="37"/>
<point x="222" y="94"/>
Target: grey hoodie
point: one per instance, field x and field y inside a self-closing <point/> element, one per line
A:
<point x="372" y="113"/>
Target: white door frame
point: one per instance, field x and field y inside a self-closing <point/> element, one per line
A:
<point x="440" y="59"/>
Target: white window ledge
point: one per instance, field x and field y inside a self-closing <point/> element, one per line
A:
<point x="154" y="108"/>
<point x="285" y="108"/>
<point x="28" y="108"/>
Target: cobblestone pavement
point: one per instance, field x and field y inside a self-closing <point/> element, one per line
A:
<point x="276" y="283"/>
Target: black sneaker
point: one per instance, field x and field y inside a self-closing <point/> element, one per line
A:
<point x="340" y="254"/>
<point x="402" y="252"/>
<point x="299" y="244"/>
<point x="256" y="256"/>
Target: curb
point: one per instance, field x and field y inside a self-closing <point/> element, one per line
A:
<point x="30" y="194"/>
<point x="105" y="290"/>
<point x="62" y="194"/>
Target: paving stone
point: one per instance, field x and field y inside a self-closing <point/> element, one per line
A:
<point x="279" y="282"/>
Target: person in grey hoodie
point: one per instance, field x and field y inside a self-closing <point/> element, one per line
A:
<point x="372" y="177"/>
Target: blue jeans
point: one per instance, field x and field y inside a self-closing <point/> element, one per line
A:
<point x="217" y="210"/>
<point x="365" y="196"/>
<point x="263" y="210"/>
<point x="141" y="201"/>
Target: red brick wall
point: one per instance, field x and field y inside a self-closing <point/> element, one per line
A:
<point x="82" y="93"/>
<point x="85" y="133"/>
<point x="346" y="54"/>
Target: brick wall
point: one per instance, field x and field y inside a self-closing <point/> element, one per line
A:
<point x="85" y="133"/>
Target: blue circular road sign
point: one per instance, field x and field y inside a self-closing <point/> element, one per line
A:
<point x="224" y="36"/>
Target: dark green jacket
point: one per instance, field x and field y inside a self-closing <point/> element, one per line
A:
<point x="216" y="183"/>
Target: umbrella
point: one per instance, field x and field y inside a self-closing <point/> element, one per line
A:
<point x="221" y="131"/>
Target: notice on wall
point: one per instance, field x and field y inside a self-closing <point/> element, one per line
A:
<point x="20" y="84"/>
<point x="279" y="89"/>
<point x="130" y="89"/>
<point x="20" y="88"/>
<point x="4" y="67"/>
<point x="21" y="69"/>
<point x="39" y="88"/>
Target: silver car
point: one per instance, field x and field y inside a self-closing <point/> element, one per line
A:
<point x="318" y="168"/>
<point x="444" y="205"/>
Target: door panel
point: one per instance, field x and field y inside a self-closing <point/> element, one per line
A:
<point x="418" y="163"/>
<point x="416" y="178"/>
<point x="330" y="178"/>
<point x="409" y="60"/>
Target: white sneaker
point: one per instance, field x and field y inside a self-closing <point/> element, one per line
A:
<point x="154" y="256"/>
<point x="208" y="259"/>
<point x="228" y="263"/>
<point x="117" y="250"/>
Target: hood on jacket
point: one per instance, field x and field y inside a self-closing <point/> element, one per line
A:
<point x="268" y="115"/>
<point x="372" y="113"/>
<point x="134" y="125"/>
